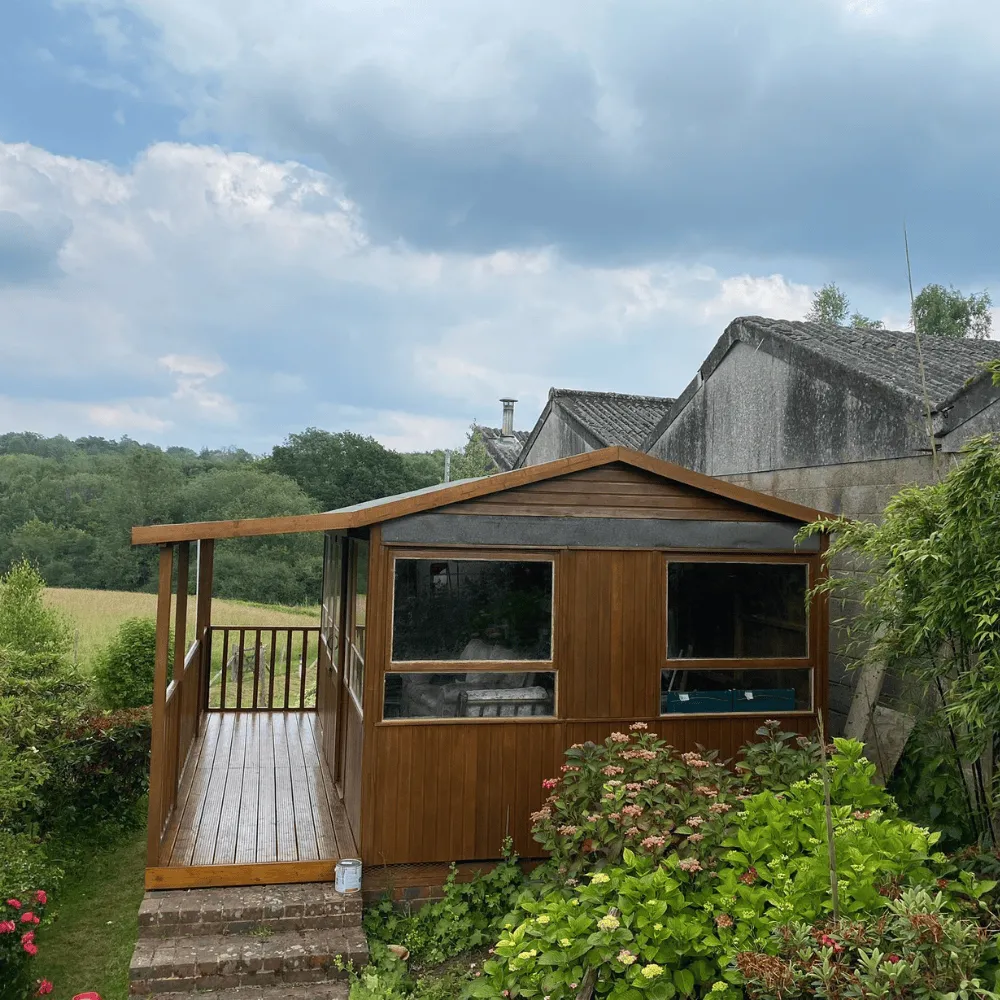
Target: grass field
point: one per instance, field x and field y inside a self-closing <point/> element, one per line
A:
<point x="95" y="614"/>
<point x="89" y="943"/>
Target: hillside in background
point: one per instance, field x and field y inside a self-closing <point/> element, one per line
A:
<point x="69" y="506"/>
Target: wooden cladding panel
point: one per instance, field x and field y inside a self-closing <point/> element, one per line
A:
<point x="453" y="792"/>
<point x="613" y="491"/>
<point x="610" y="632"/>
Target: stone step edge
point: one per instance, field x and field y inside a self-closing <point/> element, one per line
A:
<point x="220" y="928"/>
<point x="161" y="960"/>
<point x="214" y="906"/>
<point x="334" y="989"/>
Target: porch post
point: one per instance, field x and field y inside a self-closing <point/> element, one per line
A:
<point x="157" y="764"/>
<point x="180" y="610"/>
<point x="203" y="618"/>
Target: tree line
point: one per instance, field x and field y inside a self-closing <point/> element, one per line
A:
<point x="69" y="506"/>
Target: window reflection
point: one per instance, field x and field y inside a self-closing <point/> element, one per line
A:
<point x="747" y="610"/>
<point x="472" y="609"/>
<point x="476" y="694"/>
<point x="725" y="691"/>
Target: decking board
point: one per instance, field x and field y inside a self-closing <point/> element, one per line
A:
<point x="256" y="791"/>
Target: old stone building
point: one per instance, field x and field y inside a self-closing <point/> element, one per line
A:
<point x="832" y="417"/>
<point x="574" y="421"/>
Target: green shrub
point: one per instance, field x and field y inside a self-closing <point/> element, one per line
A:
<point x="915" y="949"/>
<point x="99" y="771"/>
<point x="633" y="792"/>
<point x="660" y="926"/>
<point x="468" y="917"/>
<point x="778" y="759"/>
<point x="24" y="865"/>
<point x="124" y="670"/>
<point x="26" y="624"/>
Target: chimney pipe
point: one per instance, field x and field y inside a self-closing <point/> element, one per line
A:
<point x="507" y="430"/>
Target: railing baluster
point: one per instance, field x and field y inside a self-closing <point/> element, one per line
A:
<point x="288" y="668"/>
<point x="225" y="667"/>
<point x="303" y="668"/>
<point x="270" y="680"/>
<point x="256" y="669"/>
<point x="239" y="669"/>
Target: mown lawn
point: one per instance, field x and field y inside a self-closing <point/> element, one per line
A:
<point x="89" y="942"/>
<point x="95" y="614"/>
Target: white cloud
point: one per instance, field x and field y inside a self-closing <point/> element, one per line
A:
<point x="210" y="296"/>
<point x="192" y="365"/>
<point x="124" y="418"/>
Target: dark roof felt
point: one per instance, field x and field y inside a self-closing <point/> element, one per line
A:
<point x="888" y="356"/>
<point x="613" y="417"/>
<point x="503" y="450"/>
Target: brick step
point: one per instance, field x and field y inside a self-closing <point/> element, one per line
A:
<point x="338" y="990"/>
<point x="196" y="912"/>
<point x="227" y="961"/>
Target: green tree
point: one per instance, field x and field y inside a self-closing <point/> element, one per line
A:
<point x="26" y="624"/>
<point x="927" y="582"/>
<point x="831" y="305"/>
<point x="473" y="460"/>
<point x="341" y="469"/>
<point x="946" y="312"/>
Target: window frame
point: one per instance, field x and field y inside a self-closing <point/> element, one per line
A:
<point x="471" y="554"/>
<point x="350" y="648"/>
<point x="466" y="666"/>
<point x="417" y="720"/>
<point x="807" y="662"/>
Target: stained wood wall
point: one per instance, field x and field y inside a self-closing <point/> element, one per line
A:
<point x="442" y="791"/>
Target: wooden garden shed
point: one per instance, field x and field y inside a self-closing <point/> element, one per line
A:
<point x="470" y="633"/>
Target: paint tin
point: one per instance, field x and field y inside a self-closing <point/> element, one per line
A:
<point x="347" y="876"/>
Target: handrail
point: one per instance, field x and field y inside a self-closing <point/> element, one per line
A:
<point x="262" y="667"/>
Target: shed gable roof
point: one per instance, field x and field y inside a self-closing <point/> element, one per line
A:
<point x="389" y="508"/>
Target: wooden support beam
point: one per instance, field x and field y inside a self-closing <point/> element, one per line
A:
<point x="203" y="620"/>
<point x="157" y="767"/>
<point x="180" y="610"/>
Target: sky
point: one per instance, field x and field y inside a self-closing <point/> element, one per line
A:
<point x="223" y="221"/>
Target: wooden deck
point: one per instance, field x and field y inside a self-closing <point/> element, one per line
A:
<point x="256" y="805"/>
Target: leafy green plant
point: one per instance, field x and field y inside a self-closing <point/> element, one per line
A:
<point x="99" y="771"/>
<point x="778" y="759"/>
<point x="26" y="624"/>
<point x="124" y="671"/>
<point x="633" y="792"/>
<point x="468" y="917"/>
<point x="916" y="948"/>
<point x="927" y="582"/>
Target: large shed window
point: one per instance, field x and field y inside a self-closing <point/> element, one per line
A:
<point x="333" y="586"/>
<point x="723" y="691"/>
<point x="736" y="610"/>
<point x="356" y="633"/>
<point x="474" y="694"/>
<point x="472" y="609"/>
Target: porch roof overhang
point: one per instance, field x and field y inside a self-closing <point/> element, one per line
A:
<point x="418" y="501"/>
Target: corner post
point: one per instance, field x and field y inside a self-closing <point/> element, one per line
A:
<point x="157" y="763"/>
<point x="203" y="617"/>
<point x="180" y="610"/>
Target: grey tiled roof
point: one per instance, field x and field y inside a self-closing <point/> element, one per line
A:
<point x="888" y="356"/>
<point x="503" y="450"/>
<point x="613" y="417"/>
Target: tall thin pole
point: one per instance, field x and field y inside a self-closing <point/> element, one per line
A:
<point x="920" y="359"/>
<point x="447" y="465"/>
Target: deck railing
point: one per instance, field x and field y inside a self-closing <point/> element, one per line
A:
<point x="262" y="669"/>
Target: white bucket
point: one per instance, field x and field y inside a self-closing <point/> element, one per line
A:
<point x="347" y="876"/>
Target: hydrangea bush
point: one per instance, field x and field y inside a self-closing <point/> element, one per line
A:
<point x="669" y="919"/>
<point x="634" y="792"/>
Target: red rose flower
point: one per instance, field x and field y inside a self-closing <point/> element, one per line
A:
<point x="44" y="986"/>
<point x="16" y="903"/>
<point x="892" y="958"/>
<point x="41" y="899"/>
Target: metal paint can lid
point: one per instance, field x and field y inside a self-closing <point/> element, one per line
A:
<point x="347" y="875"/>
